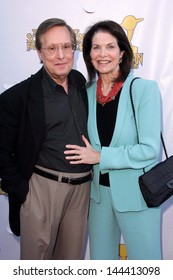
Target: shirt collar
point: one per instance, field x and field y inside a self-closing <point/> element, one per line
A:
<point x="52" y="86"/>
<point x="48" y="82"/>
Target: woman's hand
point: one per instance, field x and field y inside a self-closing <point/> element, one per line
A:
<point x="86" y="155"/>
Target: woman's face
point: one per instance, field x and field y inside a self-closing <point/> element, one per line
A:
<point x="105" y="53"/>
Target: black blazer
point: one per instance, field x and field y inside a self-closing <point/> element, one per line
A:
<point x="22" y="126"/>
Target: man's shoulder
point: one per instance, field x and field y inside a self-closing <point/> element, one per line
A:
<point x="77" y="77"/>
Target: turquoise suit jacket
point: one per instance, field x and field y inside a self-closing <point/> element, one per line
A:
<point x="125" y="159"/>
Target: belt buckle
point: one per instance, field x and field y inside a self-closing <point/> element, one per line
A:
<point x="69" y="181"/>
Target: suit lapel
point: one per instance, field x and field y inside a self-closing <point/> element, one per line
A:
<point x="121" y="113"/>
<point x="36" y="109"/>
<point x="93" y="132"/>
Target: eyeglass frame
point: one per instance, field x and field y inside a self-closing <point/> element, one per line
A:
<point x="62" y="47"/>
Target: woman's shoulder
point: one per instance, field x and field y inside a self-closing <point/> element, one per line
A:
<point x="142" y="81"/>
<point x="141" y="85"/>
<point x="90" y="86"/>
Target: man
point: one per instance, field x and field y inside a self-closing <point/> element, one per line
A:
<point x="39" y="116"/>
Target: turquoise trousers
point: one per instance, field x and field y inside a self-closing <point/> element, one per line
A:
<point x="141" y="231"/>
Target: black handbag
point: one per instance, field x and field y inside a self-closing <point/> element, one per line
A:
<point x="156" y="184"/>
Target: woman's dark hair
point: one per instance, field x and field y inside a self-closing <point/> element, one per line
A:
<point x="115" y="30"/>
<point x="49" y="23"/>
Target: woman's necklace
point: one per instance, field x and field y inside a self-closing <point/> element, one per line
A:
<point x="111" y="94"/>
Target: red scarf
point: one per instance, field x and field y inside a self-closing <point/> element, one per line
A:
<point x="111" y="94"/>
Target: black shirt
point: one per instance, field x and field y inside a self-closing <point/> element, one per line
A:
<point x="66" y="121"/>
<point x="106" y="119"/>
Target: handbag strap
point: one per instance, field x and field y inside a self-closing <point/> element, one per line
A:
<point x="133" y="107"/>
<point x="134" y="114"/>
<point x="163" y="144"/>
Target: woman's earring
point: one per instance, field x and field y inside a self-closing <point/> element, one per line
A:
<point x="120" y="60"/>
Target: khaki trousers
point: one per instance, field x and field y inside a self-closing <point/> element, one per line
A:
<point x="54" y="218"/>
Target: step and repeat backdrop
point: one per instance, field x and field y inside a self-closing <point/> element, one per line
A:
<point x="149" y="27"/>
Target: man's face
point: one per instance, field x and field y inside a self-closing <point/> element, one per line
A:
<point x="57" y="52"/>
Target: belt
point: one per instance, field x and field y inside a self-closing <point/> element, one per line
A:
<point x="70" y="181"/>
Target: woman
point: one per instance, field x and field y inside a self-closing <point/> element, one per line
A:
<point x="117" y="206"/>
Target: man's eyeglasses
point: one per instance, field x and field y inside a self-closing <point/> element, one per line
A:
<point x="65" y="48"/>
